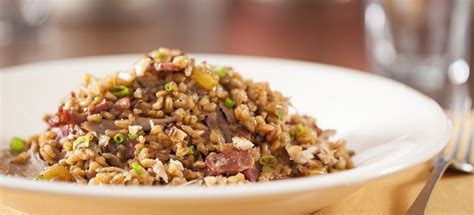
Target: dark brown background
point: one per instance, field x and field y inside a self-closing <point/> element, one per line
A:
<point x="326" y="31"/>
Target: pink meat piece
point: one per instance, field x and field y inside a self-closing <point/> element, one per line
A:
<point x="63" y="117"/>
<point x="122" y="104"/>
<point x="166" y="67"/>
<point x="97" y="108"/>
<point x="65" y="130"/>
<point x="252" y="174"/>
<point x="231" y="162"/>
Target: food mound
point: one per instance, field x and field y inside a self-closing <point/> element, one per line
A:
<point x="174" y="121"/>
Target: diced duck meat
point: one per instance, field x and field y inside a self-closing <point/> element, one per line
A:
<point x="231" y="162"/>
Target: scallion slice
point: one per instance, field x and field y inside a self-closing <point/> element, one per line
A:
<point x="229" y="103"/>
<point x="119" y="138"/>
<point x="137" y="168"/>
<point x="268" y="160"/>
<point x="17" y="144"/>
<point x="120" y="91"/>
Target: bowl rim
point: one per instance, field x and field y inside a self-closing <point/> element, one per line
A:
<point x="357" y="176"/>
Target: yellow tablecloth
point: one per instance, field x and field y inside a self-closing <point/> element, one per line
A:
<point x="454" y="194"/>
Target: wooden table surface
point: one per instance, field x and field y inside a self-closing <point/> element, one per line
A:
<point x="323" y="31"/>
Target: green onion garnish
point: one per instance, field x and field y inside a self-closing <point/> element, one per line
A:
<point x="229" y="103"/>
<point x="137" y="168"/>
<point x="119" y="138"/>
<point x="132" y="136"/>
<point x="279" y="112"/>
<point x="169" y="87"/>
<point x="161" y="56"/>
<point x="221" y="71"/>
<point x="135" y="136"/>
<point x="192" y="150"/>
<point x="300" y="130"/>
<point x="82" y="141"/>
<point x="38" y="177"/>
<point x="17" y="144"/>
<point x="268" y="160"/>
<point x="119" y="91"/>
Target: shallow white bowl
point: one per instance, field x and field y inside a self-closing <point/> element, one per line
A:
<point x="390" y="126"/>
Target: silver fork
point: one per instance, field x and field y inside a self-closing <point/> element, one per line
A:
<point x="460" y="114"/>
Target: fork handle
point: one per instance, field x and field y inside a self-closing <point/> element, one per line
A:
<point x="419" y="205"/>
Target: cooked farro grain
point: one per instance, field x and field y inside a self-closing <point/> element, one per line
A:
<point x="172" y="121"/>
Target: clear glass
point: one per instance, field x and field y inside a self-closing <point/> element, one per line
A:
<point x="423" y="43"/>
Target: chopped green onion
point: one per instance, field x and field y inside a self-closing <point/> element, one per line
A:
<point x="221" y="71"/>
<point x="135" y="136"/>
<point x="300" y="130"/>
<point x="132" y="136"/>
<point x="268" y="160"/>
<point x="229" y="102"/>
<point x="137" y="168"/>
<point x="169" y="87"/>
<point x="119" y="138"/>
<point x="192" y="150"/>
<point x="120" y="91"/>
<point x="17" y="144"/>
<point x="160" y="56"/>
<point x="38" y="177"/>
<point x="279" y="112"/>
<point x="82" y="141"/>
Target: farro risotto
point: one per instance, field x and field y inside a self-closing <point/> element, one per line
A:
<point x="173" y="121"/>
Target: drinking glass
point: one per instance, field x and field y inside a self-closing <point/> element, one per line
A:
<point x="423" y="43"/>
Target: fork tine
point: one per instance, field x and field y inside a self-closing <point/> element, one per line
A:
<point x="469" y="153"/>
<point x="465" y="110"/>
<point x="453" y="114"/>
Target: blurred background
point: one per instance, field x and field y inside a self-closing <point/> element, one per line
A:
<point x="324" y="31"/>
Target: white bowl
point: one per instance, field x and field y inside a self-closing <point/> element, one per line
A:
<point x="390" y="126"/>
